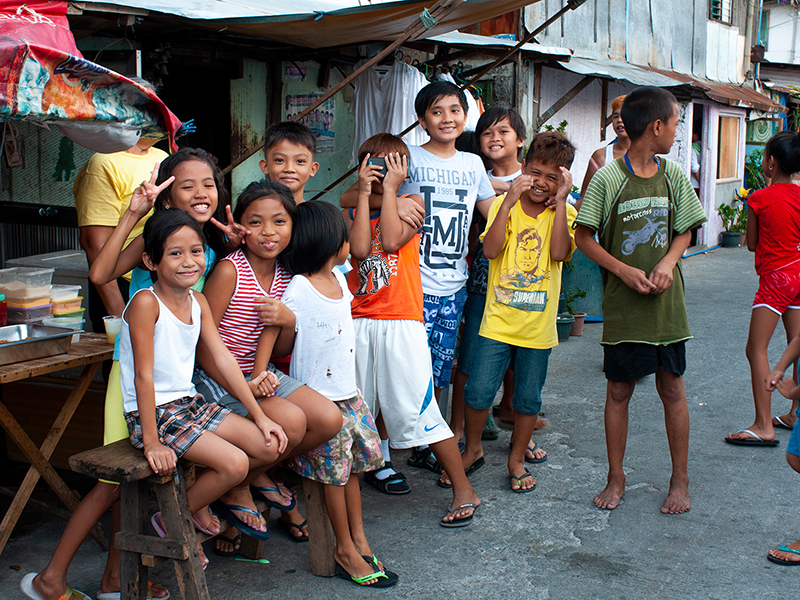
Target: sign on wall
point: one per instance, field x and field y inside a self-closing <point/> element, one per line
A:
<point x="320" y="120"/>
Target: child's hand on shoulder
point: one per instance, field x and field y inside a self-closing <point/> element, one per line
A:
<point x="563" y="190"/>
<point x="144" y="196"/>
<point x="269" y="428"/>
<point x="232" y="230"/>
<point x="396" y="169"/>
<point x="521" y="184"/>
<point x="263" y="385"/>
<point x="367" y="175"/>
<point x="162" y="459"/>
<point x="272" y="311"/>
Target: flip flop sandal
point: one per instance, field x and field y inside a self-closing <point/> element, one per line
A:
<point x="780" y="424"/>
<point x="424" y="459"/>
<point x="26" y="585"/>
<point x="235" y="541"/>
<point x="520" y="489"/>
<point x="259" y="493"/>
<point x="782" y="561"/>
<point x="380" y="576"/>
<point x="754" y="440"/>
<point x="290" y="528"/>
<point x="226" y="511"/>
<point x="459" y="522"/>
<point x="390" y="575"/>
<point x="118" y="595"/>
<point x="198" y="525"/>
<point x="479" y="462"/>
<point x="534" y="460"/>
<point x="395" y="484"/>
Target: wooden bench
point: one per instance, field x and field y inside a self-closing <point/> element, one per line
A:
<point x="140" y="550"/>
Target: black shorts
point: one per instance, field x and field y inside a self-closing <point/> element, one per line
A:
<point x="631" y="361"/>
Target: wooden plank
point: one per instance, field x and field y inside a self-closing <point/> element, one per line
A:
<point x="116" y="462"/>
<point x="133" y="521"/>
<point x="321" y="541"/>
<point x="94" y="348"/>
<point x="168" y="548"/>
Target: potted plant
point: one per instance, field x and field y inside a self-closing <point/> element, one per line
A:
<point x="734" y="219"/>
<point x="570" y="294"/>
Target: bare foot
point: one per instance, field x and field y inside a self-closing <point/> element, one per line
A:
<point x="48" y="588"/>
<point x="355" y="566"/>
<point x="242" y="497"/>
<point x="611" y="495"/>
<point x="541" y="424"/>
<point x="228" y="542"/>
<point x="782" y="555"/>
<point x="203" y="558"/>
<point x="677" y="501"/>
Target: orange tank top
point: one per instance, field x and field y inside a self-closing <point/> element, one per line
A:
<point x="387" y="286"/>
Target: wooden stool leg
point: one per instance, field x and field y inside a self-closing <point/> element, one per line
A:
<point x="133" y="507"/>
<point x="321" y="541"/>
<point x="177" y="520"/>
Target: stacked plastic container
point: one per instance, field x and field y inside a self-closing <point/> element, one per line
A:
<point x="66" y="311"/>
<point x="27" y="293"/>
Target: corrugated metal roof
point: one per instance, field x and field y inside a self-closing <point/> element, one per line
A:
<point x="456" y="38"/>
<point x="724" y="93"/>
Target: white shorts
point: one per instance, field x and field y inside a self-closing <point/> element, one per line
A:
<point x="393" y="371"/>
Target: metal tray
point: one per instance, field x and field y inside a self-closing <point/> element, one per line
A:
<point x="26" y="342"/>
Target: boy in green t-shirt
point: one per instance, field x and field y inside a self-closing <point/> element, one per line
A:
<point x="643" y="209"/>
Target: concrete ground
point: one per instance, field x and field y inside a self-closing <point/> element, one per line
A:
<point x="553" y="543"/>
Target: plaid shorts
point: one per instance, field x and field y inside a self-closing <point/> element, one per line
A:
<point x="180" y="422"/>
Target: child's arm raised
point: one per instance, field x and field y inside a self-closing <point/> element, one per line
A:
<point x="395" y="232"/>
<point x="560" y="239"/>
<point x="233" y="378"/>
<point x="141" y="315"/>
<point x="495" y="239"/>
<point x="360" y="229"/>
<point x="632" y="277"/>
<point x="113" y="261"/>
<point x="411" y="212"/>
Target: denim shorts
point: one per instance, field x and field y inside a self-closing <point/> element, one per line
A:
<point x="205" y="385"/>
<point x="473" y="315"/>
<point x="442" y="318"/>
<point x="530" y="370"/>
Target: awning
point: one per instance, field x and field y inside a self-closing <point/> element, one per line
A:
<point x="725" y="93"/>
<point x="312" y="23"/>
<point x="458" y="39"/>
<point x="44" y="79"/>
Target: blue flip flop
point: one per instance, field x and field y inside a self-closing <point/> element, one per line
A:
<point x="535" y="460"/>
<point x="784" y="562"/>
<point x="226" y="511"/>
<point x="259" y="492"/>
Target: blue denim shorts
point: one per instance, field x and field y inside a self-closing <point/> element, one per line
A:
<point x="473" y="315"/>
<point x="794" y="439"/>
<point x="442" y="318"/>
<point x="491" y="360"/>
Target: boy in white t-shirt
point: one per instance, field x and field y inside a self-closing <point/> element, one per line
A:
<point x="452" y="184"/>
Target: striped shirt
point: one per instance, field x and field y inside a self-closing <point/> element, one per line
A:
<point x="240" y="327"/>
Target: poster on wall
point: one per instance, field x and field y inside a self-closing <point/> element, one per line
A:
<point x="320" y="120"/>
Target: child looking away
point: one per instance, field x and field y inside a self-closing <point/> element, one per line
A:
<point x="643" y="209"/>
<point x="289" y="150"/>
<point x="528" y="237"/>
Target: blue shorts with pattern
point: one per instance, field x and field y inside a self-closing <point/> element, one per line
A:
<point x="442" y="317"/>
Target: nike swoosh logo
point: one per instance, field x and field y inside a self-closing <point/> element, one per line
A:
<point x="432" y="428"/>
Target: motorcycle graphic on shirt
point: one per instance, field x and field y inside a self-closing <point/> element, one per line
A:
<point x="652" y="232"/>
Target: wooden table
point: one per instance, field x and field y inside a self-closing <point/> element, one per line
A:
<point x="89" y="352"/>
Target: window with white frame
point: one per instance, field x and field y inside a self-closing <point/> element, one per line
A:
<point x="720" y="10"/>
<point x="728" y="150"/>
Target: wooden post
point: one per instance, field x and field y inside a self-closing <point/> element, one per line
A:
<point x="133" y="509"/>
<point x="537" y="96"/>
<point x="321" y="540"/>
<point x="603" y="108"/>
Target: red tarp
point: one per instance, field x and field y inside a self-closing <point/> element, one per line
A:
<point x="45" y="79"/>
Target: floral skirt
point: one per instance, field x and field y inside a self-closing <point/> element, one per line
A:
<point x="355" y="449"/>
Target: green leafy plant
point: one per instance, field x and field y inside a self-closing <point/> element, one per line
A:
<point x="562" y="127"/>
<point x="754" y="175"/>
<point x="570" y="294"/>
<point x="734" y="215"/>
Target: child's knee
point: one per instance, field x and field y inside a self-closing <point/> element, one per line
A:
<point x="620" y="392"/>
<point x="294" y="424"/>
<point x="237" y="465"/>
<point x="331" y="419"/>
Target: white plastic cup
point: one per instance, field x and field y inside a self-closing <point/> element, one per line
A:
<point x="113" y="325"/>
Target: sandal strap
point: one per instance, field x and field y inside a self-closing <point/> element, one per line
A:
<point x="238" y="508"/>
<point x="376" y="575"/>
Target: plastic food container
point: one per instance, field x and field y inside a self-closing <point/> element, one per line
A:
<point x="67" y="306"/>
<point x="68" y="322"/>
<point x="29" y="302"/>
<point x="3" y="311"/>
<point x="75" y="314"/>
<point x="64" y="292"/>
<point x="26" y="316"/>
<point x="21" y="282"/>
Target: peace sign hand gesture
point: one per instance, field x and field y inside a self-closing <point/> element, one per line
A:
<point x="232" y="230"/>
<point x="144" y="196"/>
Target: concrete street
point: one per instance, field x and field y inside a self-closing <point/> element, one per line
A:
<point x="553" y="543"/>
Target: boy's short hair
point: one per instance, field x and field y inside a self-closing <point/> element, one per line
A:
<point x="318" y="233"/>
<point x="645" y="105"/>
<point x="433" y="92"/>
<point x="495" y="114"/>
<point x="296" y="133"/>
<point x="551" y="147"/>
<point x="616" y="103"/>
<point x="382" y="143"/>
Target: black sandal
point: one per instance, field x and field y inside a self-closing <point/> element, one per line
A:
<point x="236" y="540"/>
<point x="395" y="485"/>
<point x="424" y="459"/>
<point x="289" y="528"/>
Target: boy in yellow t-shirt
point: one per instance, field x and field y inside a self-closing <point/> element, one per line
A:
<point x="528" y="236"/>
